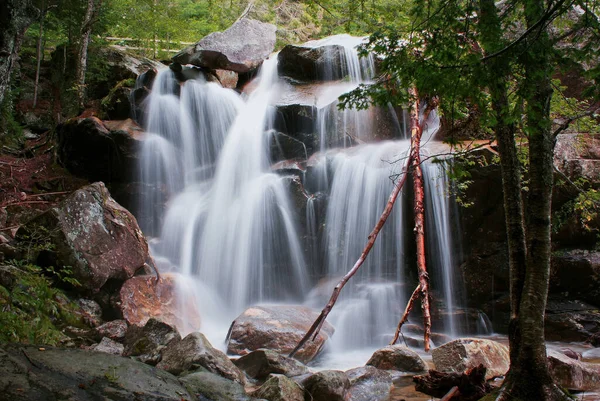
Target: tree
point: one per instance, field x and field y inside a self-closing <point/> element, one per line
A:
<point x="459" y="52"/>
<point x="92" y="11"/>
<point x="15" y="18"/>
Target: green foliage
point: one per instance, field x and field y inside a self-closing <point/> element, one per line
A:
<point x="32" y="311"/>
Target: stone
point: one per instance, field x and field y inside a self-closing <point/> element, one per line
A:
<point x="278" y="328"/>
<point x="89" y="149"/>
<point x="397" y="357"/>
<point x="117" y="104"/>
<point x="115" y="330"/>
<point x="195" y="351"/>
<point x="240" y="48"/>
<point x="284" y="147"/>
<point x="368" y="383"/>
<point x="327" y="385"/>
<point x="204" y="385"/>
<point x="279" y="388"/>
<point x="90" y="312"/>
<point x="573" y="374"/>
<point x="142" y="298"/>
<point x="108" y="346"/>
<point x="576" y="274"/>
<point x="302" y="63"/>
<point x="91" y="234"/>
<point x="228" y="79"/>
<point x="30" y="373"/>
<point x="570" y="320"/>
<point x="465" y="353"/>
<point x="146" y="343"/>
<point x="261" y="363"/>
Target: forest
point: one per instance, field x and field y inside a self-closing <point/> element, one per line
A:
<point x="300" y="199"/>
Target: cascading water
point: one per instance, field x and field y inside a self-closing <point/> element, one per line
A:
<point x="226" y="222"/>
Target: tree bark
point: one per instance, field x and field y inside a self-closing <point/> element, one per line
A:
<point x="40" y="50"/>
<point x="15" y="18"/>
<point x="86" y="30"/>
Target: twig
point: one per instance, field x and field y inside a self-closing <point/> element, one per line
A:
<point x="9" y="228"/>
<point x="29" y="359"/>
<point x="49" y="193"/>
<point x="416" y="293"/>
<point x="453" y="391"/>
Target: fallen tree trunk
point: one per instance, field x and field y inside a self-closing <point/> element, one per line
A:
<point x="471" y="384"/>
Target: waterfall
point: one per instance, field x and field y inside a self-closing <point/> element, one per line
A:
<point x="224" y="220"/>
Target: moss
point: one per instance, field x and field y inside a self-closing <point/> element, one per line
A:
<point x="32" y="311"/>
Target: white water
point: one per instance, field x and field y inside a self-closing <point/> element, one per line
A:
<point x="227" y="225"/>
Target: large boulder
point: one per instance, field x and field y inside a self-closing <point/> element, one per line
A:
<point x="115" y="330"/>
<point x="146" y="343"/>
<point x="240" y="48"/>
<point x="117" y="104"/>
<point x="466" y="353"/>
<point x="33" y="373"/>
<point x="108" y="346"/>
<point x="397" y="357"/>
<point x="144" y="297"/>
<point x="195" y="351"/>
<point x="573" y="374"/>
<point x="88" y="148"/>
<point x="261" y="363"/>
<point x="92" y="235"/>
<point x="368" y="383"/>
<point x="570" y="320"/>
<point x="578" y="156"/>
<point x="577" y="274"/>
<point x="279" y="388"/>
<point x="302" y="63"/>
<point x="208" y="386"/>
<point x="278" y="328"/>
<point x="327" y="385"/>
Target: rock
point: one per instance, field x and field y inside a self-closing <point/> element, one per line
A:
<point x="117" y="104"/>
<point x="570" y="320"/>
<point x="147" y="342"/>
<point x="143" y="298"/>
<point x="261" y="363"/>
<point x="240" y="48"/>
<point x="577" y="275"/>
<point x="573" y="374"/>
<point x="195" y="350"/>
<point x="279" y="388"/>
<point x="90" y="311"/>
<point x="327" y="385"/>
<point x="284" y="147"/>
<point x="278" y="328"/>
<point x="571" y="353"/>
<point x="324" y="63"/>
<point x="91" y="234"/>
<point x="115" y="330"/>
<point x="211" y="387"/>
<point x="368" y="383"/>
<point x="108" y="346"/>
<point x="29" y="373"/>
<point x="578" y="156"/>
<point x="89" y="149"/>
<point x="297" y="121"/>
<point x="228" y="79"/>
<point x="397" y="357"/>
<point x="465" y="353"/>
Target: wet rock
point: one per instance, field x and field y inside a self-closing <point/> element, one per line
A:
<point x="89" y="149"/>
<point x="278" y="328"/>
<point x="298" y="121"/>
<point x="573" y="374"/>
<point x="72" y="374"/>
<point x="115" y="330"/>
<point x="205" y="385"/>
<point x="397" y="357"/>
<point x="576" y="274"/>
<point x="146" y="343"/>
<point x="279" y="388"/>
<point x="284" y="147"/>
<point x="570" y="320"/>
<point x="327" y="385"/>
<point x="91" y="234"/>
<point x="143" y="297"/>
<point x="465" y="353"/>
<point x="240" y="48"/>
<point x="324" y="63"/>
<point x="368" y="383"/>
<point x="108" y="346"/>
<point x="195" y="351"/>
<point x="90" y="312"/>
<point x="261" y="363"/>
<point x="228" y="79"/>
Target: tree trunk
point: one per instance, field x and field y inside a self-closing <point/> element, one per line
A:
<point x="15" y="18"/>
<point x="86" y="30"/>
<point x="40" y="52"/>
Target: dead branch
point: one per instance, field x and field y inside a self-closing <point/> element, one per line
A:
<point x="316" y="327"/>
<point x="416" y="294"/>
<point x="465" y="386"/>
